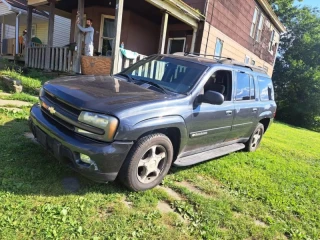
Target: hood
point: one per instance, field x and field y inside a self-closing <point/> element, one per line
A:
<point x="103" y="94"/>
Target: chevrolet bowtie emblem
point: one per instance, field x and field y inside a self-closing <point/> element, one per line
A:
<point x="52" y="110"/>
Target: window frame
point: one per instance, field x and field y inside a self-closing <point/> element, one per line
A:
<point x="271" y="41"/>
<point x="218" y="40"/>
<point x="260" y="28"/>
<point x="236" y="87"/>
<point x="177" y="38"/>
<point x="254" y="22"/>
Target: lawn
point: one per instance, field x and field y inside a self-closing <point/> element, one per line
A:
<point x="270" y="194"/>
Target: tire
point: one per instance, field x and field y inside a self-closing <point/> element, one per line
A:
<point x="147" y="163"/>
<point x="254" y="141"/>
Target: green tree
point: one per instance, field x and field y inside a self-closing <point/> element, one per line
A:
<point x="297" y="70"/>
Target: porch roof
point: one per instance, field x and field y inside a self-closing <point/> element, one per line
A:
<point x="177" y="8"/>
<point x="18" y="5"/>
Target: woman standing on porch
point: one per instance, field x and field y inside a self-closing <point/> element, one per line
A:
<point x="89" y="32"/>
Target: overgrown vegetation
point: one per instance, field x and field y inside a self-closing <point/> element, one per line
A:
<point x="297" y="71"/>
<point x="270" y="194"/>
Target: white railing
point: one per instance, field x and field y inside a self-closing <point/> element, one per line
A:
<point x="125" y="62"/>
<point x="61" y="58"/>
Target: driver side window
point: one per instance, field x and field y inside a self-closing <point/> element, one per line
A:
<point x="221" y="82"/>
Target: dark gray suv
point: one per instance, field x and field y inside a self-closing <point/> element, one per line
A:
<point x="163" y="110"/>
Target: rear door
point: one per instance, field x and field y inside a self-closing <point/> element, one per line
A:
<point x="245" y="102"/>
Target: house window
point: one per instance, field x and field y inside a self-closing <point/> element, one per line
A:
<point x="247" y="60"/>
<point x="176" y="45"/>
<point x="271" y="41"/>
<point x="254" y="22"/>
<point x="219" y="46"/>
<point x="260" y="26"/>
<point x="34" y="30"/>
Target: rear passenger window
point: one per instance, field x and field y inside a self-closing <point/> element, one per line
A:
<point x="245" y="87"/>
<point x="266" y="89"/>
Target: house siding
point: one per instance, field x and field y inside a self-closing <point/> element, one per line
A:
<point x="61" y="36"/>
<point x="138" y="34"/>
<point x="41" y="31"/>
<point x="197" y="4"/>
<point x="234" y="18"/>
<point x="231" y="48"/>
<point x="4" y="10"/>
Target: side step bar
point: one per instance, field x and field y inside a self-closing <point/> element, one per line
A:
<point x="208" y="155"/>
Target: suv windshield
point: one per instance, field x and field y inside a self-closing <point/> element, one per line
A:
<point x="168" y="73"/>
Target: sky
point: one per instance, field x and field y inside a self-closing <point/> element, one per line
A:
<point x="313" y="3"/>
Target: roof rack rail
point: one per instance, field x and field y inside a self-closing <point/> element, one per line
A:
<point x="221" y="59"/>
<point x="218" y="58"/>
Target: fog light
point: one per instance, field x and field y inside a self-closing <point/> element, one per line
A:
<point x="85" y="158"/>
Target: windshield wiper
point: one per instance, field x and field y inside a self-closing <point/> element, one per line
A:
<point x="155" y="85"/>
<point x="130" y="79"/>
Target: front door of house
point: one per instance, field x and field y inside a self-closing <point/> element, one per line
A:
<point x="107" y="35"/>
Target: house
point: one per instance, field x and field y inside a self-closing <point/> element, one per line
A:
<point x="245" y="30"/>
<point x="13" y="15"/>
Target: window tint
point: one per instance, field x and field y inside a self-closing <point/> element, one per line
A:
<point x="243" y="87"/>
<point x="170" y="73"/>
<point x="252" y="89"/>
<point x="266" y="89"/>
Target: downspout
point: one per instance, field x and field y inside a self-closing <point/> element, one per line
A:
<point x="17" y="33"/>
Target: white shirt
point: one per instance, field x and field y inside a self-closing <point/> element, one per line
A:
<point x="89" y="34"/>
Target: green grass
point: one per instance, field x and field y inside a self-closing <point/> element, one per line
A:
<point x="21" y="97"/>
<point x="270" y="194"/>
<point x="31" y="82"/>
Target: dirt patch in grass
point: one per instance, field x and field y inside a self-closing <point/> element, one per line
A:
<point x="171" y="193"/>
<point x="164" y="207"/>
<point x="192" y="188"/>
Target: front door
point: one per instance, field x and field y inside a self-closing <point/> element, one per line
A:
<point x="211" y="124"/>
<point x="246" y="110"/>
<point x="107" y="35"/>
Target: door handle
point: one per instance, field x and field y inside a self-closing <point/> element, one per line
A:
<point x="229" y="113"/>
<point x="254" y="110"/>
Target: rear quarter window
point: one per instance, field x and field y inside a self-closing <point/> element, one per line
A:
<point x="266" y="89"/>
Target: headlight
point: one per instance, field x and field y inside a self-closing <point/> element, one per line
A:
<point x="108" y="123"/>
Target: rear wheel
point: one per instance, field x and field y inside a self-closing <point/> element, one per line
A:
<point x="255" y="139"/>
<point x="147" y="163"/>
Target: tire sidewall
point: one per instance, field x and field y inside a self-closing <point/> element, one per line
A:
<point x="249" y="147"/>
<point x="132" y="173"/>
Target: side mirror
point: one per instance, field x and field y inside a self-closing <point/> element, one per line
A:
<point x="213" y="97"/>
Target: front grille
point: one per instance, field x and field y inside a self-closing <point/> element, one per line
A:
<point x="62" y="104"/>
<point x="59" y="120"/>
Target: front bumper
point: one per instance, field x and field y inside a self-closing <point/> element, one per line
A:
<point x="66" y="146"/>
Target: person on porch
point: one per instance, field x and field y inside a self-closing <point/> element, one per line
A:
<point x="88" y="41"/>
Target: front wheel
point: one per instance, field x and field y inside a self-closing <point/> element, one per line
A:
<point x="147" y="163"/>
<point x="255" y="139"/>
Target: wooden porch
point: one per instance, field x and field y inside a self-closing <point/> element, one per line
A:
<point x="68" y="59"/>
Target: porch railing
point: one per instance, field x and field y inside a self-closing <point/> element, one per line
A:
<point x="61" y="58"/>
<point x="125" y="62"/>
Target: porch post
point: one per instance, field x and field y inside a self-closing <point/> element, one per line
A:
<point x="17" y="33"/>
<point x="50" y="34"/>
<point x="29" y="29"/>
<point x="116" y="41"/>
<point x="2" y="33"/>
<point x="163" y="34"/>
<point x="78" y="34"/>
<point x="194" y="37"/>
